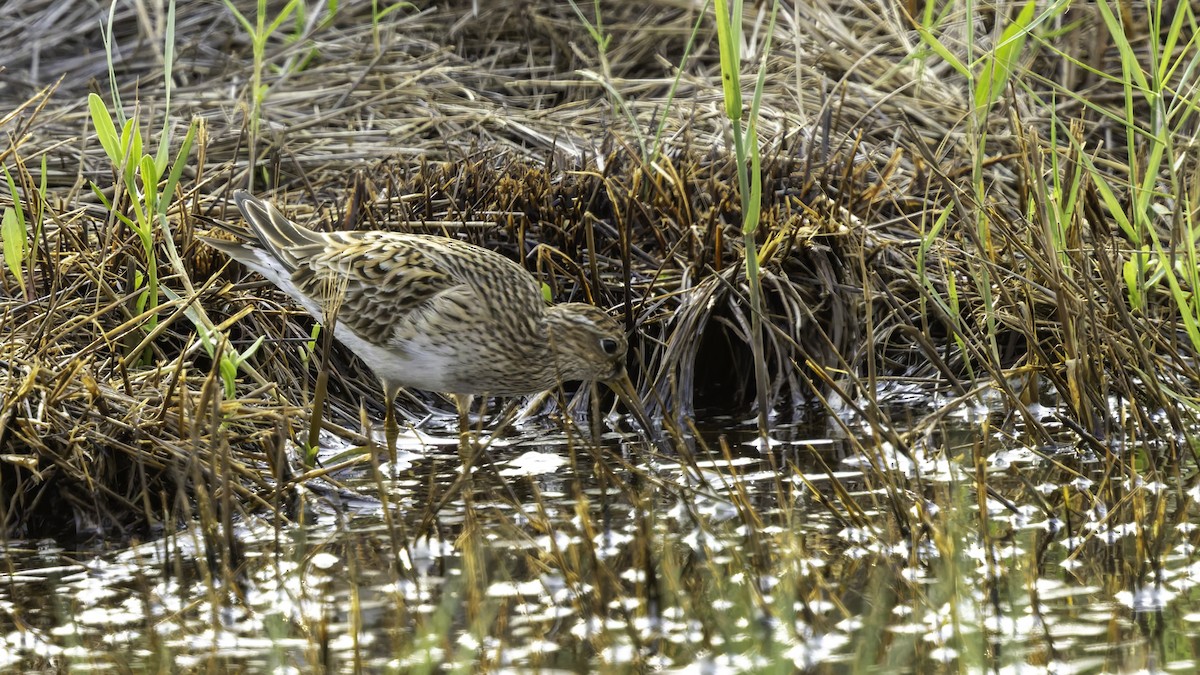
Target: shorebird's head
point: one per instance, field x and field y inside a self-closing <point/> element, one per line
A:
<point x="590" y="345"/>
<point x="587" y="343"/>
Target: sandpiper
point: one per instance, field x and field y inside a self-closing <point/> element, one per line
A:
<point x="431" y="312"/>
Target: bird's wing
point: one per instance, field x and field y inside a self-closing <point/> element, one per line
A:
<point x="389" y="285"/>
<point x="382" y="284"/>
<point x="377" y="281"/>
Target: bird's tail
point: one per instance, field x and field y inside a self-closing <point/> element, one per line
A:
<point x="271" y="229"/>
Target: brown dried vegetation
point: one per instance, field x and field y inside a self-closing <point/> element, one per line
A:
<point x="482" y="127"/>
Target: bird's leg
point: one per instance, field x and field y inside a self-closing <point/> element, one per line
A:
<point x="463" y="484"/>
<point x="466" y="448"/>
<point x="470" y="541"/>
<point x="463" y="403"/>
<point x="391" y="430"/>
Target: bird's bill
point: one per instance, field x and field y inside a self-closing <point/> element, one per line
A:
<point x="625" y="391"/>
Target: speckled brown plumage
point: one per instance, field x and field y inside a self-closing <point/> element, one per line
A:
<point x="431" y="312"/>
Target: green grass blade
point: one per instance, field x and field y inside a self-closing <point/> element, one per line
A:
<point x="106" y="131"/>
<point x="655" y="144"/>
<point x="149" y="172"/>
<point x="1129" y="59"/>
<point x="941" y="50"/>
<point x="14" y="232"/>
<point x="177" y="168"/>
<point x="241" y="18"/>
<point x="164" y="145"/>
<point x="131" y="141"/>
<point x="12" y="190"/>
<point x="730" y="62"/>
<point x="106" y="34"/>
<point x="392" y="8"/>
<point x="14" y="244"/>
<point x="283" y="15"/>
<point x="754" y="207"/>
<point x="998" y="66"/>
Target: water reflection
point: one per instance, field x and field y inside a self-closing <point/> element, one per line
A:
<point x="824" y="553"/>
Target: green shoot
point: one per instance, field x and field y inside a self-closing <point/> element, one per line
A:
<point x="139" y="175"/>
<point x="114" y="91"/>
<point x="310" y="345"/>
<point x="604" y="78"/>
<point x="14" y="234"/>
<point x="1150" y="138"/>
<point x="124" y="151"/>
<point x="749" y="172"/>
<point x="602" y="39"/>
<point x="229" y="361"/>
<point x="997" y="65"/>
<point x="378" y="14"/>
<point x="259" y="31"/>
<point x="987" y="78"/>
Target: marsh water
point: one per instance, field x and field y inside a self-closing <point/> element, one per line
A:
<point x="825" y="550"/>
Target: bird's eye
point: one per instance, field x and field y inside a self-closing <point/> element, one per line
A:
<point x="609" y="346"/>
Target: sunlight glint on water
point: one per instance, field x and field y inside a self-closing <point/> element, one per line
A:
<point x="736" y="564"/>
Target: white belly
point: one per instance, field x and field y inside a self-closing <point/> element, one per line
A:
<point x="419" y="365"/>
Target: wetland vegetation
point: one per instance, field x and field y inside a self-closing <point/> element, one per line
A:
<point x="913" y="297"/>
